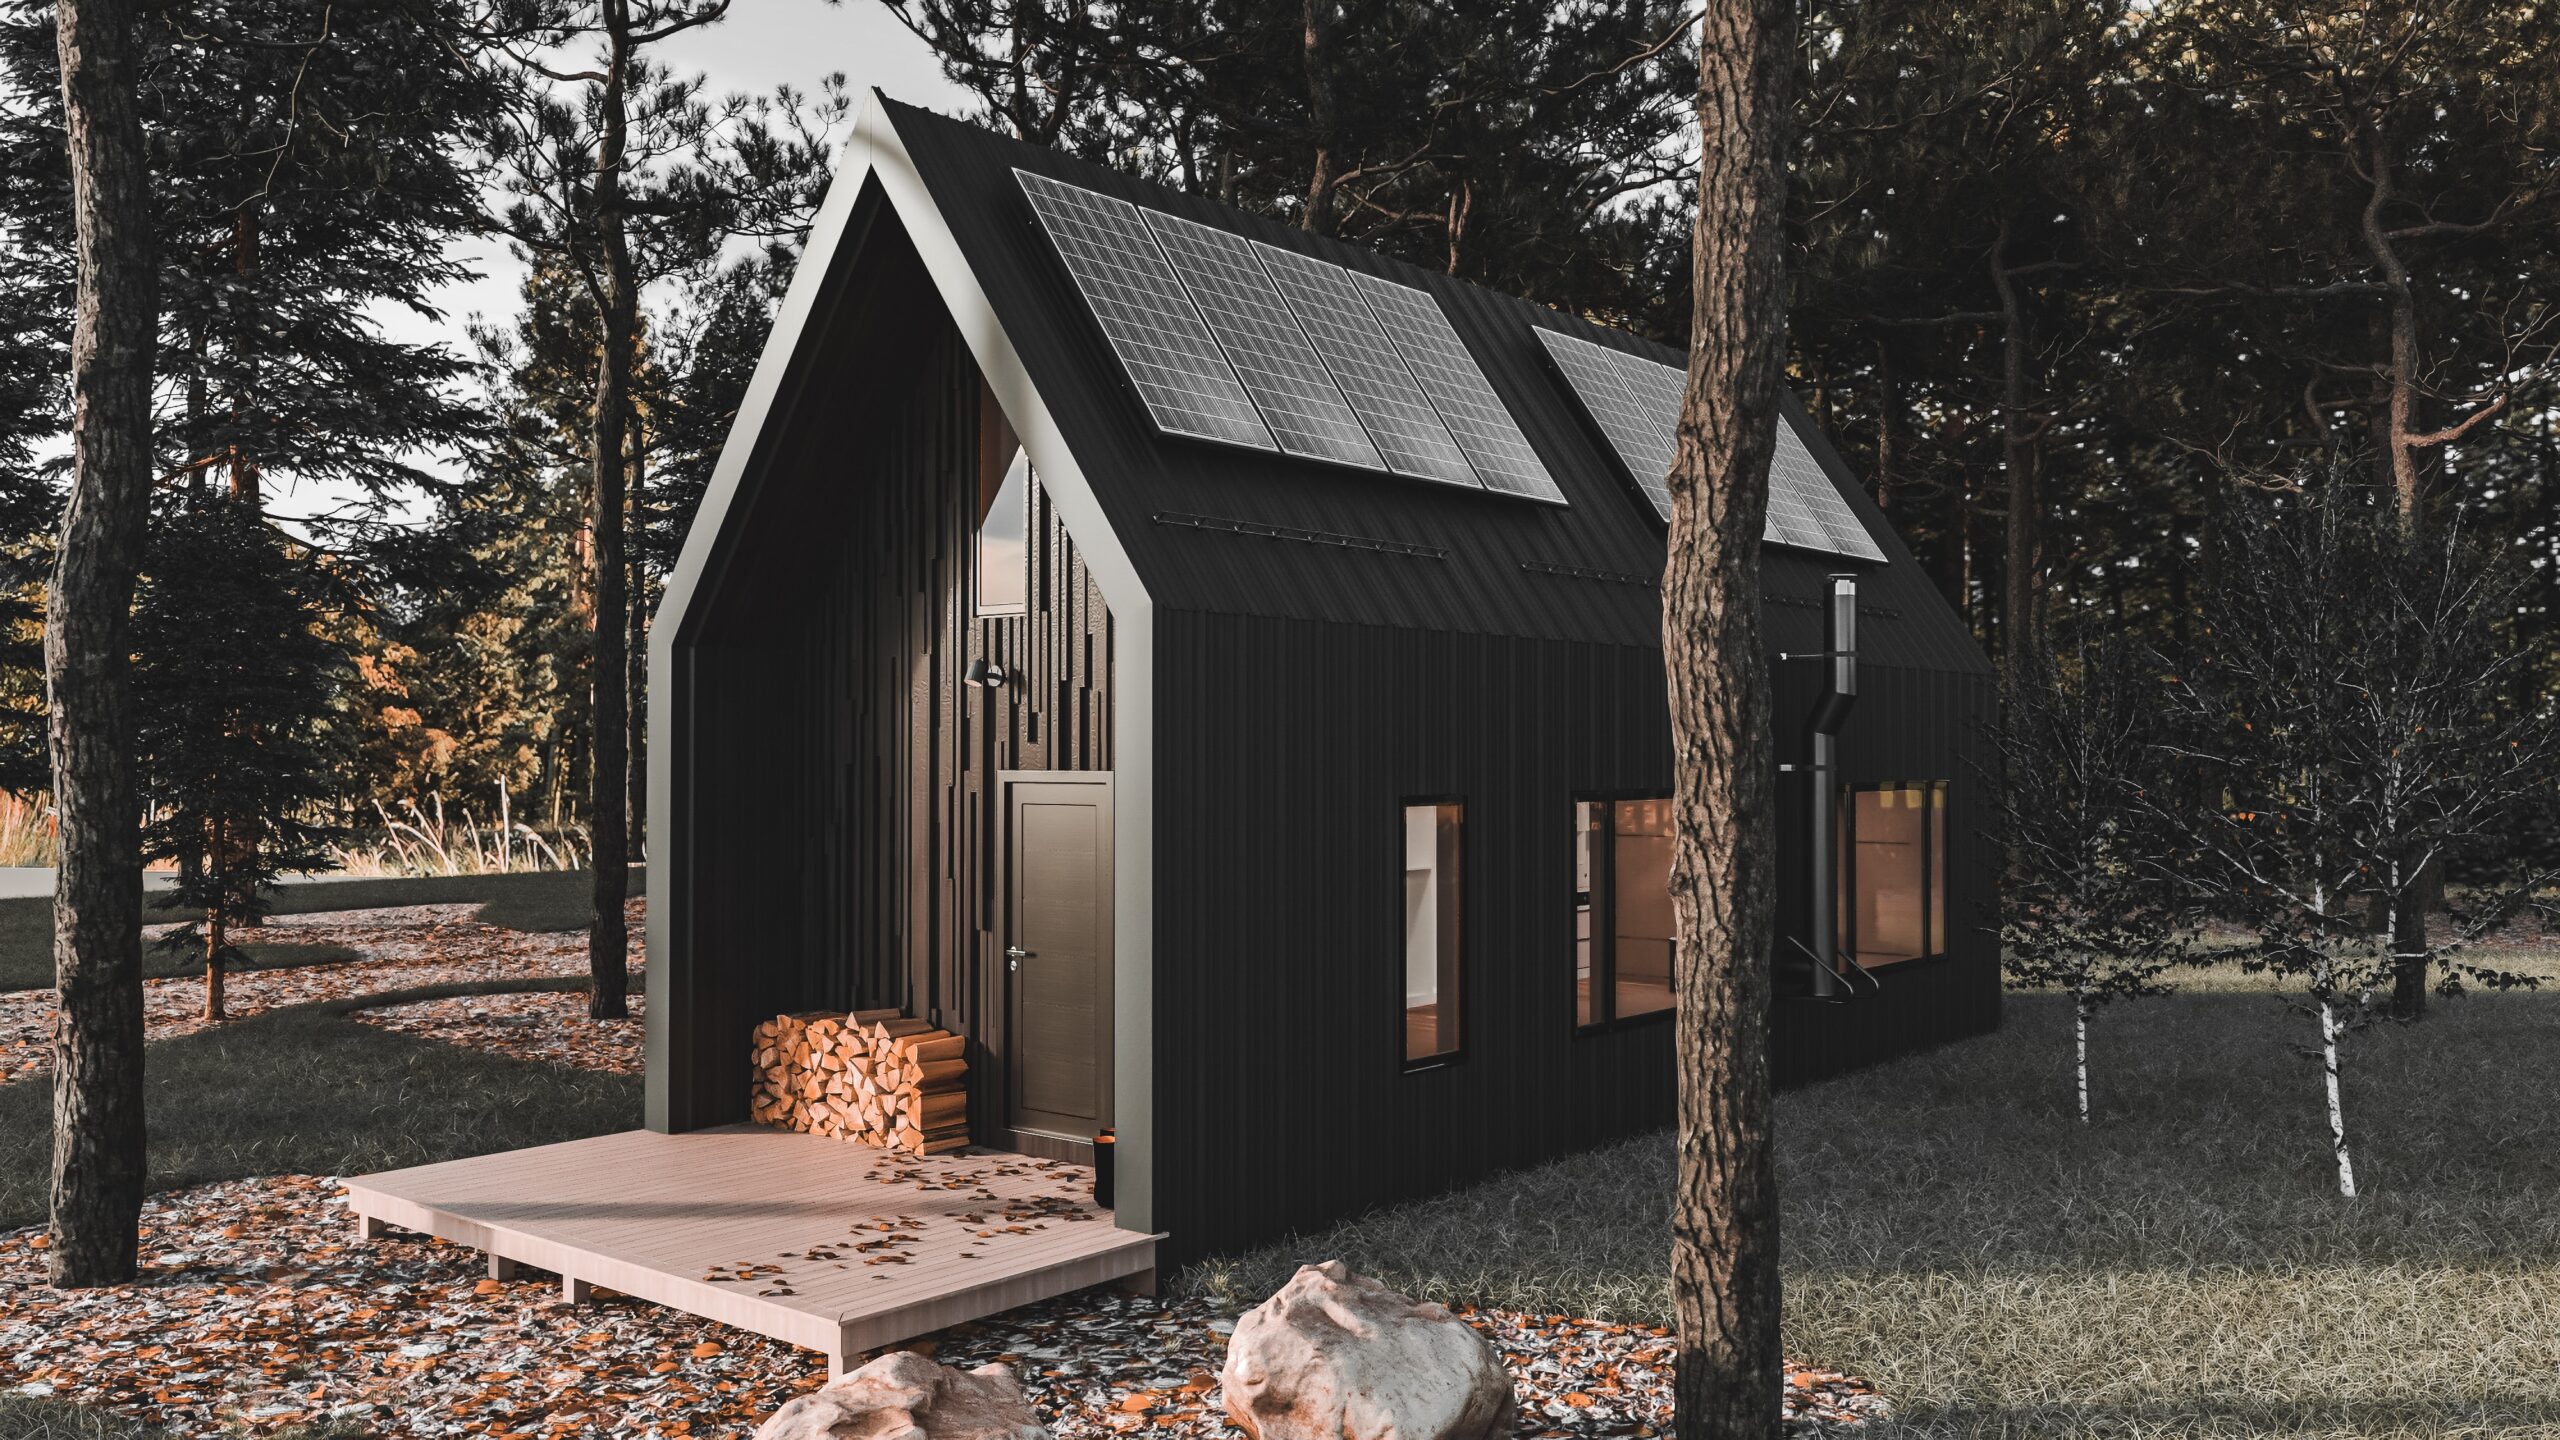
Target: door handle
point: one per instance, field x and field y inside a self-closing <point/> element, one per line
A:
<point x="1014" y="955"/>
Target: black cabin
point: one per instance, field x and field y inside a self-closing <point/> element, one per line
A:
<point x="1216" y="669"/>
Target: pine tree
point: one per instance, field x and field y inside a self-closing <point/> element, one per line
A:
<point x="1540" y="149"/>
<point x="237" y="691"/>
<point x="98" y="1133"/>
<point x="1724" y="1216"/>
<point x="311" y="159"/>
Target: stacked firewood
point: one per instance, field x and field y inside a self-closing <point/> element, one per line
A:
<point x="873" y="1076"/>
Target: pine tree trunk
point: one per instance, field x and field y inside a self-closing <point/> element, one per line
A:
<point x="1724" y="1252"/>
<point x="214" y="933"/>
<point x="636" y="657"/>
<point x="2337" y="1107"/>
<point x="1317" y="44"/>
<point x="97" y="899"/>
<point x="607" y="820"/>
<point x="2080" y="1039"/>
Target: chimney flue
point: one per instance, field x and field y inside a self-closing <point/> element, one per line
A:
<point x="1822" y="734"/>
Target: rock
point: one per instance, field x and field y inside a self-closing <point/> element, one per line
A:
<point x="1338" y="1356"/>
<point x="905" y="1396"/>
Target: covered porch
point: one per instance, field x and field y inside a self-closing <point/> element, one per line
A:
<point x="830" y="1246"/>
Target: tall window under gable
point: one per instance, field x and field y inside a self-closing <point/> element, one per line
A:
<point x="1003" y="581"/>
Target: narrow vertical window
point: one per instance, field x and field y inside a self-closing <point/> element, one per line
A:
<point x="1590" y="862"/>
<point x="1624" y="940"/>
<point x="1893" y="891"/>
<point x="1003" y="577"/>
<point x="1640" y="973"/>
<point x="1432" y="939"/>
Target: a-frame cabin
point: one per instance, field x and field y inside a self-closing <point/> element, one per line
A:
<point x="1246" y="752"/>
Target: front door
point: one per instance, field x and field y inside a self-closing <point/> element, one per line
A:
<point x="1058" y="955"/>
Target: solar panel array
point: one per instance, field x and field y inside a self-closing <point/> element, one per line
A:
<point x="1299" y="401"/>
<point x="1364" y="363"/>
<point x="1449" y="375"/>
<point x="1180" y="373"/>
<point x="1232" y="340"/>
<point x="1635" y="404"/>
<point x="1640" y="434"/>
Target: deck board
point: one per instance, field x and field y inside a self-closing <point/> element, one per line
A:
<point x="654" y="1216"/>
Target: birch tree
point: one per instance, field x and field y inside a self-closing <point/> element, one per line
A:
<point x="2299" y="747"/>
<point x="2083" y="908"/>
<point x="1724" y="1217"/>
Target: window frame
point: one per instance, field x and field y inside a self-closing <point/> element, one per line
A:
<point x="1934" y="903"/>
<point x="1604" y="927"/>
<point x="996" y="441"/>
<point x="1454" y="1054"/>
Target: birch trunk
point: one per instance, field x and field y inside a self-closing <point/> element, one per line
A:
<point x="1724" y="1254"/>
<point x="97" y="897"/>
<point x="2337" y="1109"/>
<point x="2080" y="1039"/>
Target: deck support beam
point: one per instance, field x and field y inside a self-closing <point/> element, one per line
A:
<point x="372" y="1227"/>
<point x="502" y="1268"/>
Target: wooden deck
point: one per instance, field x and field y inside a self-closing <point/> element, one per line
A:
<point x="850" y="1248"/>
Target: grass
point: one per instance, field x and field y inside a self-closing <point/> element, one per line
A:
<point x="2182" y="1267"/>
<point x="22" y="1418"/>
<point x="309" y="1090"/>
<point x="526" y="900"/>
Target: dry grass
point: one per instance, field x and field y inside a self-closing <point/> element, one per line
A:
<point x="24" y="1418"/>
<point x="422" y="841"/>
<point x="2182" y="1267"/>
<point x="26" y="830"/>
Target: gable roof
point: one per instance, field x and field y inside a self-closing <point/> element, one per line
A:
<point x="1201" y="527"/>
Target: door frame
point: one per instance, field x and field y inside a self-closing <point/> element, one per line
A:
<point x="1003" y="1131"/>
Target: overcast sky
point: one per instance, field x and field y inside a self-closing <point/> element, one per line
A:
<point x="762" y="44"/>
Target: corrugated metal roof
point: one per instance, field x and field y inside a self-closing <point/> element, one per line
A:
<point x="1237" y="532"/>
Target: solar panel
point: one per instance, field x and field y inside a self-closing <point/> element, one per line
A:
<point x="1799" y="486"/>
<point x="1449" y="376"/>
<point x="1186" y="383"/>
<point x="1634" y="427"/>
<point x="1639" y="415"/>
<point x="1295" y="393"/>
<point x="1364" y="363"/>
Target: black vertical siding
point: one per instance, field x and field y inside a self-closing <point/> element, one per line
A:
<point x="1284" y="751"/>
<point x="844" y="837"/>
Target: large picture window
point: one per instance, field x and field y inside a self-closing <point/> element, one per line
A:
<point x="1003" y="582"/>
<point x="1893" y="877"/>
<point x="1433" y="938"/>
<point x="1624" y="940"/>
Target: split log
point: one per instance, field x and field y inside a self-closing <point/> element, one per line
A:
<point x="874" y="1075"/>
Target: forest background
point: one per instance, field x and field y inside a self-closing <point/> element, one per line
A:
<point x="2068" y="280"/>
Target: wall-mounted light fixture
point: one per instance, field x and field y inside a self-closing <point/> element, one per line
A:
<point x="984" y="674"/>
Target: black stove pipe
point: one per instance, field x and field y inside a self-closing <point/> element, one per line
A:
<point x="1822" y="734"/>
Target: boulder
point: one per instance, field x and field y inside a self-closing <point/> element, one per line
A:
<point x="1338" y="1356"/>
<point x="905" y="1396"/>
